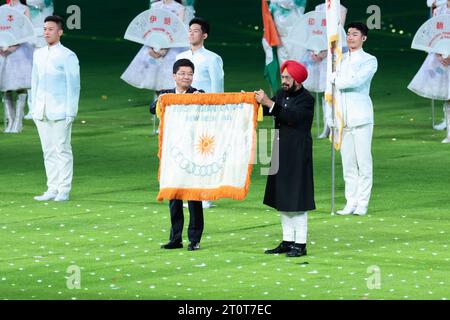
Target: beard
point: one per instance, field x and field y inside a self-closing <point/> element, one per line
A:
<point x="289" y="89"/>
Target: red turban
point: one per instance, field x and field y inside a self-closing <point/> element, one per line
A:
<point x="296" y="70"/>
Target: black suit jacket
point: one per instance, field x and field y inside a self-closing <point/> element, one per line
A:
<point x="153" y="105"/>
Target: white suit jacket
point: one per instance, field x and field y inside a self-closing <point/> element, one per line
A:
<point x="353" y="81"/>
<point x="55" y="83"/>
<point x="208" y="73"/>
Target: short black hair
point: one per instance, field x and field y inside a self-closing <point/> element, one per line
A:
<point x="202" y="22"/>
<point x="182" y="63"/>
<point x="360" y="26"/>
<point x="56" y="19"/>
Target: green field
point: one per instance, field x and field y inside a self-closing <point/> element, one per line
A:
<point x="113" y="226"/>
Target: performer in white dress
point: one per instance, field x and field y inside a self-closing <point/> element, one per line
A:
<point x="285" y="14"/>
<point x="189" y="13"/>
<point x="433" y="78"/>
<point x="152" y="69"/>
<point x="15" y="77"/>
<point x="39" y="10"/>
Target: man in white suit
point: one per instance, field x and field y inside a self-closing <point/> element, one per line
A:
<point x="55" y="90"/>
<point x="353" y="81"/>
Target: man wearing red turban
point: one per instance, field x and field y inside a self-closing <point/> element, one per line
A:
<point x="290" y="189"/>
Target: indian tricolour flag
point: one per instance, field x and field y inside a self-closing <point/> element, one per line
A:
<point x="270" y="42"/>
<point x="335" y="45"/>
<point x="206" y="145"/>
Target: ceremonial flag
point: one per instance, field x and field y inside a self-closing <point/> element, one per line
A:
<point x="270" y="41"/>
<point x="335" y="45"/>
<point x="332" y="96"/>
<point x="206" y="145"/>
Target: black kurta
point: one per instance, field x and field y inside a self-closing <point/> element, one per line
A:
<point x="291" y="188"/>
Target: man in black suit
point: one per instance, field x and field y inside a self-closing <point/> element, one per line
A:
<point x="183" y="74"/>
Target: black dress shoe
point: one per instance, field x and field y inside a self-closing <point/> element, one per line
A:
<point x="172" y="245"/>
<point x="193" y="246"/>
<point x="283" y="247"/>
<point x="296" y="251"/>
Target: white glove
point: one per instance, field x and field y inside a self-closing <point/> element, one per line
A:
<point x="69" y="120"/>
<point x="330" y="122"/>
<point x="333" y="77"/>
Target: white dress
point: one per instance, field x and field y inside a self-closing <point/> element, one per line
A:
<point x="146" y="72"/>
<point x="432" y="81"/>
<point x="189" y="13"/>
<point x="15" y="69"/>
<point x="285" y="14"/>
<point x="39" y="10"/>
<point x="317" y="73"/>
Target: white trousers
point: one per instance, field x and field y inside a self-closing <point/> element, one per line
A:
<point x="357" y="164"/>
<point x="58" y="159"/>
<point x="295" y="226"/>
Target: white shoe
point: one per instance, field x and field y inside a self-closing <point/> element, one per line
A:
<point x="347" y="210"/>
<point x="48" y="195"/>
<point x="28" y="116"/>
<point x="446" y="140"/>
<point x="62" y="197"/>
<point x="323" y="136"/>
<point x="9" y="126"/>
<point x="207" y="204"/>
<point x="440" y="126"/>
<point x="8" y="129"/>
<point x="360" y="211"/>
<point x="325" y="133"/>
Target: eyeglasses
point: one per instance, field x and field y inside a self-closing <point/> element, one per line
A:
<point x="182" y="74"/>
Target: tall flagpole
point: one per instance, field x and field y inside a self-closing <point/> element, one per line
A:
<point x="317" y="114"/>
<point x="333" y="35"/>
<point x="333" y="117"/>
<point x="432" y="100"/>
<point x="432" y="114"/>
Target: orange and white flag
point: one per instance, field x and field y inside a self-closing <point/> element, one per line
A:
<point x="206" y="145"/>
<point x="336" y="42"/>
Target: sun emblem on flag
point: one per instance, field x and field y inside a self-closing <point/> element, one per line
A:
<point x="206" y="145"/>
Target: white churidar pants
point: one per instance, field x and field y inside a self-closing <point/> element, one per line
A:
<point x="295" y="226"/>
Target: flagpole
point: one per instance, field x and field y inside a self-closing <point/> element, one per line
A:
<point x="333" y="117"/>
<point x="432" y="100"/>
<point x="318" y="114"/>
<point x="432" y="114"/>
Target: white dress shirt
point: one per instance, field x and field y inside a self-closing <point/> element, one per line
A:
<point x="208" y="73"/>
<point x="353" y="81"/>
<point x="55" y="83"/>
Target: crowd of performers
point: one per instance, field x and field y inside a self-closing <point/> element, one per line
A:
<point x="16" y="62"/>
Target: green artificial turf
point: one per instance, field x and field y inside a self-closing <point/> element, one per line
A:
<point x="113" y="226"/>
